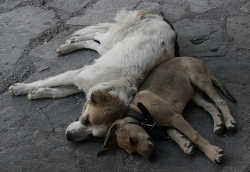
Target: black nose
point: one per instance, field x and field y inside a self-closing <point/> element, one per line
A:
<point x="150" y="154"/>
<point x="69" y="136"/>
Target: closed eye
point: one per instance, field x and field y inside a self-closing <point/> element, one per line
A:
<point x="86" y="121"/>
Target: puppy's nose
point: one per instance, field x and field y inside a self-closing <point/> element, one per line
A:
<point x="150" y="154"/>
<point x="69" y="136"/>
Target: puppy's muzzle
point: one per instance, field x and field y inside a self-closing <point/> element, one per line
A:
<point x="150" y="154"/>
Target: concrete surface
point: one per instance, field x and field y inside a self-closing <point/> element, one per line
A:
<point x="32" y="132"/>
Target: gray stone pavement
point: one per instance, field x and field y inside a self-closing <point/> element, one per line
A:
<point x="32" y="132"/>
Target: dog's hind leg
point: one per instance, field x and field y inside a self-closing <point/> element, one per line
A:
<point x="205" y="84"/>
<point x="181" y="140"/>
<point x="63" y="79"/>
<point x="213" y="152"/>
<point x="212" y="110"/>
<point x="73" y="46"/>
<point x="89" y="37"/>
<point x="56" y="92"/>
<point x="90" y="32"/>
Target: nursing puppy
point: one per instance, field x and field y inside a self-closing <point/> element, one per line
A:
<point x="165" y="94"/>
<point x="129" y="48"/>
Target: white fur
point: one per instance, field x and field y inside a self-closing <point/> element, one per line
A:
<point x="130" y="48"/>
<point x="81" y="132"/>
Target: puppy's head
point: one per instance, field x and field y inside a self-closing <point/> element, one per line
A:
<point x="126" y="134"/>
<point x="99" y="111"/>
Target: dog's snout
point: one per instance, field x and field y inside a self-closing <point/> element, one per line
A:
<point x="69" y="136"/>
<point x="150" y="139"/>
<point x="150" y="153"/>
<point x="151" y="147"/>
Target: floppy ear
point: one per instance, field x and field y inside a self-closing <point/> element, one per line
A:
<point x="110" y="136"/>
<point x="110" y="139"/>
<point x="99" y="96"/>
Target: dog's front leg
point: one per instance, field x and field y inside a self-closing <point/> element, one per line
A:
<point x="181" y="140"/>
<point x="63" y="79"/>
<point x="57" y="92"/>
<point x="213" y="152"/>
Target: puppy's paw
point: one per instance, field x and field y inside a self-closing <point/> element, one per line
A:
<point x="230" y="124"/>
<point x="187" y="147"/>
<point x="219" y="129"/>
<point x="18" y="89"/>
<point x="215" y="154"/>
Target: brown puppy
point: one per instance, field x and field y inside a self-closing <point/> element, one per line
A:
<point x="165" y="94"/>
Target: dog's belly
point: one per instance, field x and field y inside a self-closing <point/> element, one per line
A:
<point x="178" y="102"/>
<point x="93" y="77"/>
<point x="132" y="58"/>
<point x="171" y="83"/>
<point x="176" y="93"/>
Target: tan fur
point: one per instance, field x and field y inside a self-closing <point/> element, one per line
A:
<point x="125" y="134"/>
<point x="100" y="109"/>
<point x="165" y="94"/>
<point x="142" y="15"/>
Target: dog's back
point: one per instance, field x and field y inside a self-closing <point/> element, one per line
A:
<point x="171" y="80"/>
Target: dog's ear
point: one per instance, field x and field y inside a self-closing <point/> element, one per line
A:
<point x="110" y="139"/>
<point x="99" y="96"/>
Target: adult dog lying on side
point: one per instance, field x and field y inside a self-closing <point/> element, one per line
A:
<point x="165" y="94"/>
<point x="130" y="48"/>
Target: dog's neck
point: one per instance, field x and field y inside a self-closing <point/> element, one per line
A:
<point x="138" y="116"/>
<point x="135" y="117"/>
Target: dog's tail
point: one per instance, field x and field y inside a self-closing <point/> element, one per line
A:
<point x="177" y="49"/>
<point x="223" y="89"/>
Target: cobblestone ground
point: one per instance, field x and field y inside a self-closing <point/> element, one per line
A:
<point x="32" y="132"/>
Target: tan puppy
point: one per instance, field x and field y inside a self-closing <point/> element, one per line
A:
<point x="165" y="93"/>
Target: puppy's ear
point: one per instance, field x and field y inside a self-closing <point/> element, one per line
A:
<point x="99" y="96"/>
<point x="110" y="139"/>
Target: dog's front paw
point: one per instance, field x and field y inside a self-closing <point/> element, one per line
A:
<point x="18" y="89"/>
<point x="230" y="124"/>
<point x="187" y="147"/>
<point x="215" y="154"/>
<point x="37" y="93"/>
<point x="219" y="129"/>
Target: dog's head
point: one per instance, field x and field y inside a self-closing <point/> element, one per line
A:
<point x="99" y="111"/>
<point x="126" y="134"/>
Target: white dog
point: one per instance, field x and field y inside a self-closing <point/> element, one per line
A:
<point x="130" y="47"/>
